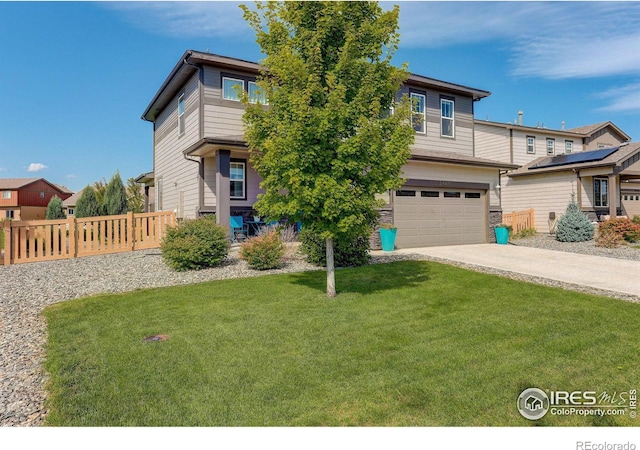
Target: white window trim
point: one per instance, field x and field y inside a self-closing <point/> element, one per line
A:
<point x="599" y="200"/>
<point x="6" y="195"/>
<point x="244" y="180"/>
<point x="553" y="147"/>
<point x="181" y="124"/>
<point x="568" y="146"/>
<point x="532" y="150"/>
<point x="424" y="112"/>
<point x="452" y="118"/>
<point x="231" y="79"/>
<point x="264" y="101"/>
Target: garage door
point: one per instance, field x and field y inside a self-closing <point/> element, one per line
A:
<point x="429" y="217"/>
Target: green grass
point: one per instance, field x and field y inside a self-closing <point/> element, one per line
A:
<point x="409" y="343"/>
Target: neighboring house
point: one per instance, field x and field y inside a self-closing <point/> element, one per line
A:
<point x="201" y="162"/>
<point x="27" y="198"/>
<point x="69" y="205"/>
<point x="519" y="144"/>
<point x="147" y="181"/>
<point x="600" y="180"/>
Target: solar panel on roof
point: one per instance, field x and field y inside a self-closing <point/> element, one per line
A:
<point x="573" y="158"/>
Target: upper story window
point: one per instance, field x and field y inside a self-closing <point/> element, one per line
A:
<point x="600" y="191"/>
<point x="419" y="116"/>
<point x="551" y="146"/>
<point x="229" y="89"/>
<point x="6" y="194"/>
<point x="447" y="124"/>
<point x="238" y="179"/>
<point x="256" y="95"/>
<point x="531" y="144"/>
<point x="181" y="115"/>
<point x="568" y="146"/>
<point x="601" y="145"/>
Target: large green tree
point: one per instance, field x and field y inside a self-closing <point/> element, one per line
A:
<point x="54" y="209"/>
<point x="326" y="144"/>
<point x="114" y="202"/>
<point x="135" y="197"/>
<point x="88" y="205"/>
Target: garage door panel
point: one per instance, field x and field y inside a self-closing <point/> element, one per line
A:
<point x="432" y="221"/>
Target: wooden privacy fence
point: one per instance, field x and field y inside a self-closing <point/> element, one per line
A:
<point x="47" y="240"/>
<point x="519" y="220"/>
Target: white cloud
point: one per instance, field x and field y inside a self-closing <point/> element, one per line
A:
<point x="621" y="99"/>
<point x="72" y="176"/>
<point x="554" y="40"/>
<point x="36" y="167"/>
<point x="186" y="19"/>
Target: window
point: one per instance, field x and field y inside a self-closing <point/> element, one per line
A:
<point x="41" y="194"/>
<point x="9" y="214"/>
<point x="418" y="103"/>
<point x="472" y="195"/>
<point x="551" y="146"/>
<point x="71" y="211"/>
<point x="238" y="180"/>
<point x="452" y="195"/>
<point x="447" y="124"/>
<point x="637" y="197"/>
<point x="531" y="144"/>
<point x="601" y="145"/>
<point x="181" y="115"/>
<point x="229" y="89"/>
<point x="6" y="194"/>
<point x="405" y="193"/>
<point x="568" y="146"/>
<point x="256" y="95"/>
<point x="600" y="191"/>
<point x="430" y="194"/>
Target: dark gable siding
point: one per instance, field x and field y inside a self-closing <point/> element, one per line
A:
<point x="31" y="195"/>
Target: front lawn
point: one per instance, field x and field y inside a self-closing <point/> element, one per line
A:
<point x="408" y="343"/>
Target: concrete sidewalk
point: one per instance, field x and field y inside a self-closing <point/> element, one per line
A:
<point x="618" y="275"/>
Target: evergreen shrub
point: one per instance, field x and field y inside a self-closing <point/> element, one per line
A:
<point x="574" y="225"/>
<point x="54" y="209"/>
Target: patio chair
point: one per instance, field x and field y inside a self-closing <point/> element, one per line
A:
<point x="239" y="229"/>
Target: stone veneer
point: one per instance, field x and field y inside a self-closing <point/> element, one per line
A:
<point x="386" y="216"/>
<point x="495" y="218"/>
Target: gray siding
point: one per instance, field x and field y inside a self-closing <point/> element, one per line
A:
<point x="180" y="177"/>
<point x="463" y="115"/>
<point x="221" y="117"/>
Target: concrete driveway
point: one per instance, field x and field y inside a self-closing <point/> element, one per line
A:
<point x="618" y="275"/>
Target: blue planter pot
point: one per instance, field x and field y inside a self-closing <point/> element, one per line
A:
<point x="388" y="239"/>
<point x="502" y="235"/>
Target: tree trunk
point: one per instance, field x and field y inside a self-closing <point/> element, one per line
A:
<point x="331" y="274"/>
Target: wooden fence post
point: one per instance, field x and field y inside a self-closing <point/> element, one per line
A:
<point x="73" y="237"/>
<point x="130" y="231"/>
<point x="6" y="229"/>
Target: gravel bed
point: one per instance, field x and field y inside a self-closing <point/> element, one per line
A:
<point x="26" y="289"/>
<point x="549" y="242"/>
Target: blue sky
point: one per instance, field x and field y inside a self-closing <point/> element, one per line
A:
<point x="75" y="77"/>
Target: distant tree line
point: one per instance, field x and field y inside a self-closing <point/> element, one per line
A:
<point x="102" y="199"/>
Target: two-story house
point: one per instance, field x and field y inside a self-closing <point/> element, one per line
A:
<point x="201" y="161"/>
<point x="596" y="163"/>
<point x="27" y="198"/>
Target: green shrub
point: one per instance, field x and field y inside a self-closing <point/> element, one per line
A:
<point x="348" y="250"/>
<point x="263" y="252"/>
<point x="54" y="209"/>
<point x="636" y="219"/>
<point x="195" y="244"/>
<point x="626" y="229"/>
<point x="574" y="225"/>
<point x="522" y="234"/>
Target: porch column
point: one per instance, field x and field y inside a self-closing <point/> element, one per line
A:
<point x="223" y="187"/>
<point x="613" y="196"/>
